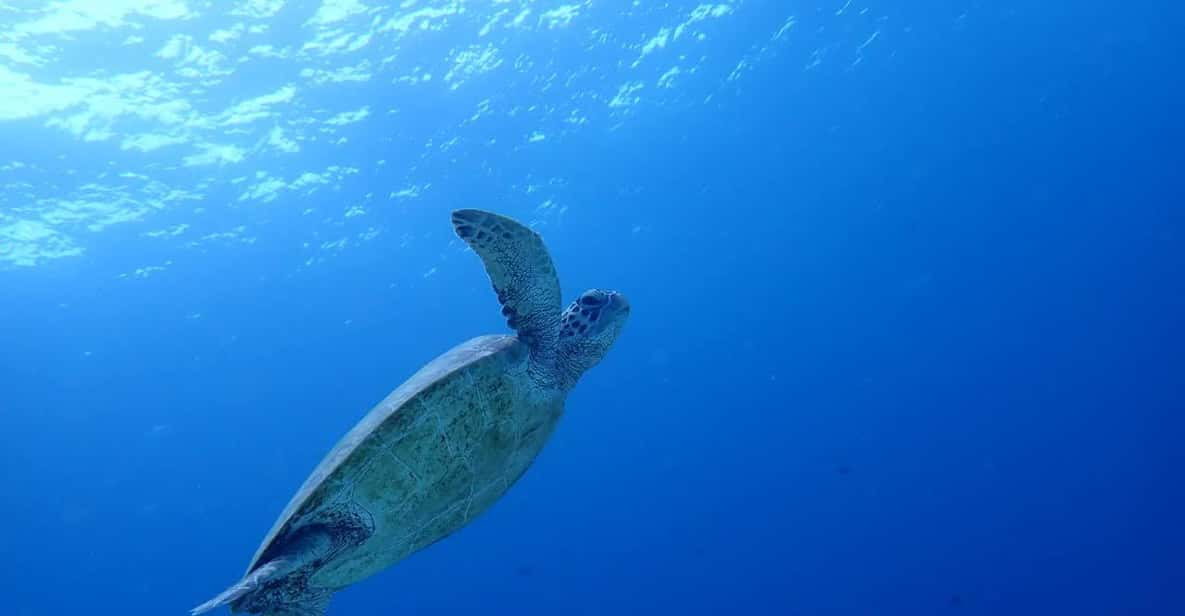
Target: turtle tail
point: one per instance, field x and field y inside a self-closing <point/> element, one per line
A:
<point x="243" y="587"/>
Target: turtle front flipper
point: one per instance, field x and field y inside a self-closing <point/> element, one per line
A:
<point x="521" y="271"/>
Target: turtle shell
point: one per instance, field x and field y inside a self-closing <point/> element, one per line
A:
<point x="435" y="453"/>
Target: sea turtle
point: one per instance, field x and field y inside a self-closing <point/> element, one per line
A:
<point x="444" y="445"/>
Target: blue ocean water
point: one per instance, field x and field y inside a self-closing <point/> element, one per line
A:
<point x="907" y="285"/>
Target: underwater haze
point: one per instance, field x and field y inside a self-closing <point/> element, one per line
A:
<point x="907" y="285"/>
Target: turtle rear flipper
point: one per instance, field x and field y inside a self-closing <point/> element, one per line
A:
<point x="306" y="546"/>
<point x="248" y="584"/>
<point x="309" y="607"/>
<point x="313" y="605"/>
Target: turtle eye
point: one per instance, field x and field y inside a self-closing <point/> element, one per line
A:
<point x="591" y="300"/>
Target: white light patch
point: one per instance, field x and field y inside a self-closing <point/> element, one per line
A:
<point x="521" y="18"/>
<point x="666" y="36"/>
<point x="18" y="55"/>
<point x="25" y="98"/>
<point x="336" y="42"/>
<point x="667" y="79"/>
<point x="76" y="15"/>
<point x="349" y="117"/>
<point x="410" y="192"/>
<point x="148" y="142"/>
<point x="358" y="72"/>
<point x="89" y="107"/>
<point x="258" y="9"/>
<point x="277" y="140"/>
<point x="701" y="13"/>
<point x="560" y="16"/>
<point x="471" y="62"/>
<point x="147" y="270"/>
<point x="215" y="154"/>
<point x="268" y="51"/>
<point x="627" y="95"/>
<point x="227" y="35"/>
<point x="25" y="243"/>
<point x="174" y="47"/>
<point x="425" y="18"/>
<point x="173" y="231"/>
<point x="308" y="179"/>
<point x="193" y="61"/>
<point x="267" y="187"/>
<point x="333" y="11"/>
<point x="265" y="191"/>
<point x="258" y="108"/>
<point x="658" y="42"/>
<point x="236" y="235"/>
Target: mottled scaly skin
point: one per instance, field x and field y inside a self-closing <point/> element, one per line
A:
<point x="433" y="455"/>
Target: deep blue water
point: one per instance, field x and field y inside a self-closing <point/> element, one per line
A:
<point x="906" y="329"/>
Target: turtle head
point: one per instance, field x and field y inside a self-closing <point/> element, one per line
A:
<point x="588" y="327"/>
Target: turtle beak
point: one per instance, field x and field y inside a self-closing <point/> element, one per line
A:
<point x="619" y="302"/>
